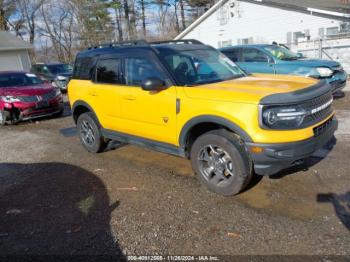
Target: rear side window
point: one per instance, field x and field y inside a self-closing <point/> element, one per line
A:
<point x="253" y="55"/>
<point x="83" y="68"/>
<point x="233" y="54"/>
<point x="108" y="71"/>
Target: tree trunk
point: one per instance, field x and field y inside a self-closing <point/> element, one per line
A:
<point x="177" y="24"/>
<point x="143" y="17"/>
<point x="127" y="17"/>
<point x="3" y="22"/>
<point x="119" y="26"/>
<point x="182" y="9"/>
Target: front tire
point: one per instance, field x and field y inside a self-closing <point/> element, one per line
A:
<point x="90" y="133"/>
<point x="221" y="162"/>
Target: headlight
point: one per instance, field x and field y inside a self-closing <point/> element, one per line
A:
<point x="61" y="78"/>
<point x="324" y="71"/>
<point x="282" y="117"/>
<point x="10" y="99"/>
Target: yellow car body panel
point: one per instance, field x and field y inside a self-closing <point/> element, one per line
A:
<point x="152" y="115"/>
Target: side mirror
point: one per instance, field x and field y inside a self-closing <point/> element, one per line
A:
<point x="300" y="55"/>
<point x="152" y="84"/>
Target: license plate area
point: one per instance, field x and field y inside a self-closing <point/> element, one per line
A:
<point x="319" y="130"/>
<point x="42" y="104"/>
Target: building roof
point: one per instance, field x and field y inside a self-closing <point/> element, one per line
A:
<point x="10" y="42"/>
<point x="333" y="9"/>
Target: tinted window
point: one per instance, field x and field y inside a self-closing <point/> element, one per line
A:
<point x="138" y="69"/>
<point x="108" y="71"/>
<point x="83" y="68"/>
<point x="233" y="54"/>
<point x="60" y="69"/>
<point x="253" y="55"/>
<point x="19" y="79"/>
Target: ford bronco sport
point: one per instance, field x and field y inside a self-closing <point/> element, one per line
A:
<point x="190" y="100"/>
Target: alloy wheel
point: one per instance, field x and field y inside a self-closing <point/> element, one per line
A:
<point x="215" y="165"/>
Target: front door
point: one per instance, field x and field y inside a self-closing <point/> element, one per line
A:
<point x="147" y="114"/>
<point x="255" y="61"/>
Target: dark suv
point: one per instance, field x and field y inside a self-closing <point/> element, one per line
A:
<point x="57" y="74"/>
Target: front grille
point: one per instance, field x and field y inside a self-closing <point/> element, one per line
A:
<point x="29" y="99"/>
<point x="49" y="96"/>
<point x="316" y="105"/>
<point x="34" y="99"/>
<point x="319" y="130"/>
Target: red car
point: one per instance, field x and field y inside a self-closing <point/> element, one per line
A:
<point x="24" y="96"/>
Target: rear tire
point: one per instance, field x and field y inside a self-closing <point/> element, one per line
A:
<point x="90" y="133"/>
<point x="221" y="162"/>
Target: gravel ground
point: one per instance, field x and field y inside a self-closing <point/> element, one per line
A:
<point x="56" y="198"/>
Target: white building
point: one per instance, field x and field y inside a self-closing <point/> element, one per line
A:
<point x="14" y="53"/>
<point x="232" y="22"/>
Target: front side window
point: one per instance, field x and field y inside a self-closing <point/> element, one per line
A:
<point x="108" y="71"/>
<point x="281" y="53"/>
<point x="19" y="79"/>
<point x="138" y="69"/>
<point x="254" y="55"/>
<point x="200" y="66"/>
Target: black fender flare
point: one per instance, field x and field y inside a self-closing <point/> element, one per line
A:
<point x="84" y="104"/>
<point x="211" y="119"/>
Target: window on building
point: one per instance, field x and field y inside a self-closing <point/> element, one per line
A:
<point x="108" y="71"/>
<point x="332" y="31"/>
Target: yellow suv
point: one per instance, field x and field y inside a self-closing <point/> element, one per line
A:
<point x="188" y="99"/>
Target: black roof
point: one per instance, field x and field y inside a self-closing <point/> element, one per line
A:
<point x="124" y="47"/>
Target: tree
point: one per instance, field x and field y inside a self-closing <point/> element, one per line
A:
<point x="58" y="20"/>
<point x="29" y="10"/>
<point x="7" y="9"/>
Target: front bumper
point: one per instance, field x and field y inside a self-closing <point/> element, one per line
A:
<point x="337" y="81"/>
<point x="19" y="111"/>
<point x="276" y="157"/>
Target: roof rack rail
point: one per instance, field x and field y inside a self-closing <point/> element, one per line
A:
<point x="183" y="41"/>
<point x="119" y="44"/>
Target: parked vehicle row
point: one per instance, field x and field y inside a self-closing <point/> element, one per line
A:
<point x="57" y="74"/>
<point x="190" y="100"/>
<point x="274" y="59"/>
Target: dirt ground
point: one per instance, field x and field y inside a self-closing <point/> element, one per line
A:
<point x="56" y="198"/>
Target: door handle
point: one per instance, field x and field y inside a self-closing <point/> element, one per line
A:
<point x="92" y="94"/>
<point x="129" y="97"/>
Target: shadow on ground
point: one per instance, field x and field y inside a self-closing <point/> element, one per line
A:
<point x="341" y="204"/>
<point x="54" y="208"/>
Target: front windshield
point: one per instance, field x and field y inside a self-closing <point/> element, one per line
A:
<point x="60" y="69"/>
<point x="201" y="66"/>
<point x="19" y="79"/>
<point x="281" y="52"/>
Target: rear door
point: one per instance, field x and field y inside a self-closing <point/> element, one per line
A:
<point x="253" y="60"/>
<point x="103" y="91"/>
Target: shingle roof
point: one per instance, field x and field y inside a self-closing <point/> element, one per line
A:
<point x="9" y="42"/>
